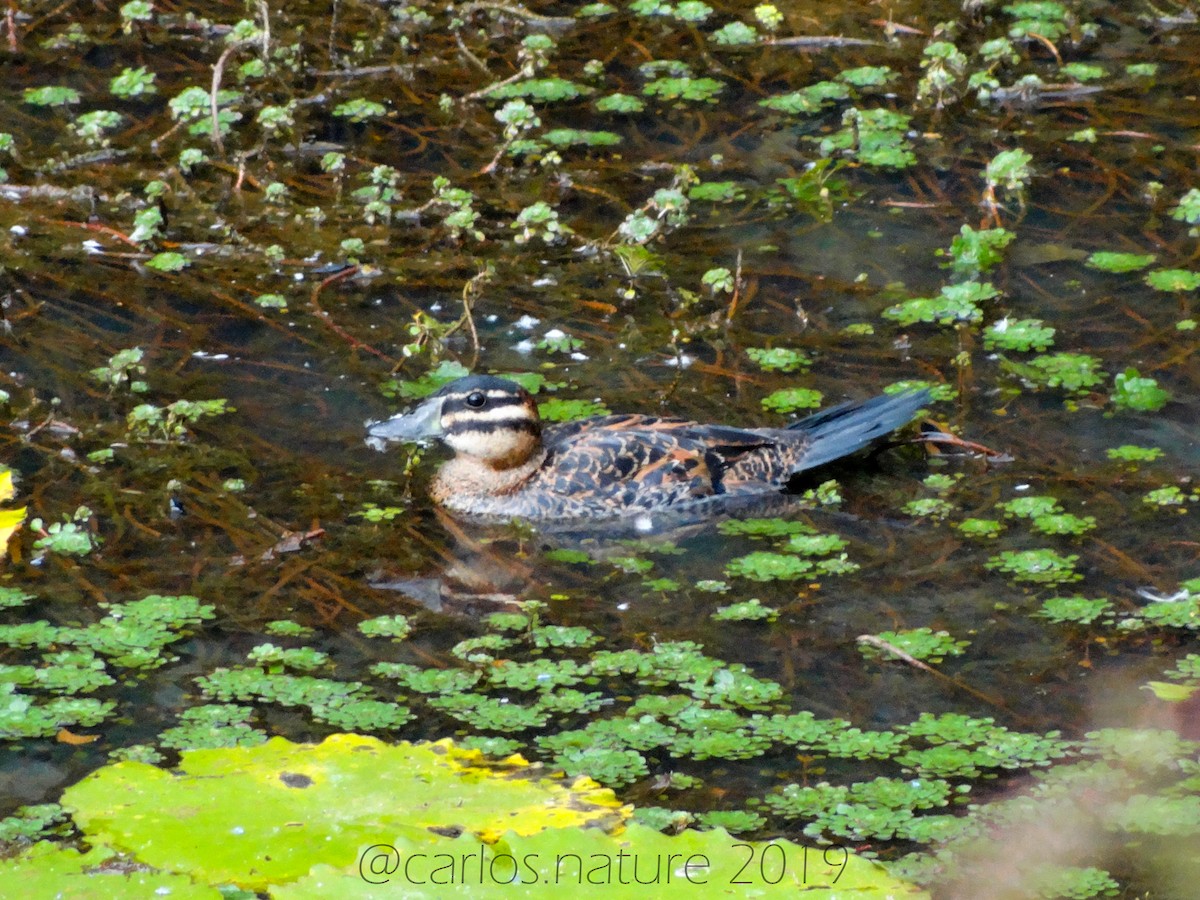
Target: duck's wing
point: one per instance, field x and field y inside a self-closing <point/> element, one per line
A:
<point x="645" y="461"/>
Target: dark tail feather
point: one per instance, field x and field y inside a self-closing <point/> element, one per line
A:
<point x="842" y="429"/>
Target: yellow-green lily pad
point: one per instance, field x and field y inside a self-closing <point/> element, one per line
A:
<point x="48" y="870"/>
<point x="254" y="816"/>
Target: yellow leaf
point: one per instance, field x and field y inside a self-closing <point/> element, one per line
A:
<point x="10" y="521"/>
<point x="6" y="485"/>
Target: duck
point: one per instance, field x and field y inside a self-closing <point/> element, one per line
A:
<point x="508" y="464"/>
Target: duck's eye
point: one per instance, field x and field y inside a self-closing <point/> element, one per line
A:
<point x="476" y="399"/>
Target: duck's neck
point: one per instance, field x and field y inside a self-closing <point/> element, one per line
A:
<point x="466" y="476"/>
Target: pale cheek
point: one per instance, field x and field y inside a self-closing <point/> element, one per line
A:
<point x="496" y="445"/>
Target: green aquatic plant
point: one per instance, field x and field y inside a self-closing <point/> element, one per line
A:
<point x="875" y="137"/>
<point x="276" y="659"/>
<point x="786" y="400"/>
<point x="1042" y="566"/>
<point x="763" y="565"/>
<point x="764" y="527"/>
<point x="395" y="627"/>
<point x="929" y="507"/>
<point x="919" y="643"/>
<point x="746" y="611"/>
<point x="70" y="537"/>
<point x="1072" y="372"/>
<point x="147" y="422"/>
<point x="779" y="359"/>
<point x="808" y="100"/>
<point x="213" y="725"/>
<point x="1131" y="453"/>
<point x="980" y="528"/>
<point x="1133" y="391"/>
<point x="973" y="252"/>
<point x="1120" y="262"/>
<point x="1063" y="523"/>
<point x="956" y="303"/>
<point x="1030" y="507"/>
<point x="1176" y="280"/>
<point x="1171" y="495"/>
<point x="1077" y="609"/>
<point x="1018" y="334"/>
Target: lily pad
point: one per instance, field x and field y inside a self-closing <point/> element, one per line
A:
<point x="318" y="804"/>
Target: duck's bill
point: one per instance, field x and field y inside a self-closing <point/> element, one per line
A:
<point x="421" y="424"/>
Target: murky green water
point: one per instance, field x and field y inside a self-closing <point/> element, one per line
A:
<point x="265" y="215"/>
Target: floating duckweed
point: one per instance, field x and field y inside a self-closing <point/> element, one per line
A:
<point x="614" y="768"/>
<point x="779" y="359"/>
<point x="1120" y="262"/>
<point x="1074" y="609"/>
<point x="712" y="586"/>
<point x="571" y="701"/>
<point x="620" y="103"/>
<point x="276" y="658"/>
<point x="876" y="137"/>
<point x="541" y="674"/>
<point x="395" y="627"/>
<point x="1030" y="507"/>
<point x="569" y="556"/>
<point x="508" y="621"/>
<point x="815" y="544"/>
<point x="807" y="100"/>
<point x="684" y="88"/>
<point x="287" y="628"/>
<point x="867" y="76"/>
<point x="213" y="725"/>
<point x="734" y="686"/>
<point x="1072" y="882"/>
<point x="363" y="715"/>
<point x="735" y="821"/>
<point x="719" y="744"/>
<point x="854" y="743"/>
<point x="1064" y="523"/>
<point x="747" y="611"/>
<point x="735" y="34"/>
<point x="764" y="527"/>
<point x="31" y="822"/>
<point x="1134" y="453"/>
<point x="496" y="747"/>
<point x="661" y="585"/>
<point x="955" y="303"/>
<point x="929" y="507"/>
<point x="481" y="648"/>
<point x="428" y="681"/>
<point x="660" y="818"/>
<point x="980" y="528"/>
<point x="573" y="636"/>
<point x="1173" y="280"/>
<point x="762" y="565"/>
<point x="25" y="717"/>
<point x="788" y="400"/>
<point x="1070" y="371"/>
<point x="12" y="597"/>
<point x="490" y="713"/>
<point x="1043" y="566"/>
<point x="975" y="252"/>
<point x="1018" y="334"/>
<point x="1132" y="391"/>
<point x="1171" y="495"/>
<point x="919" y="643"/>
<point x="244" y="684"/>
<point x="801" y="730"/>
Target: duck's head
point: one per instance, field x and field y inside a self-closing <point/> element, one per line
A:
<point x="490" y="419"/>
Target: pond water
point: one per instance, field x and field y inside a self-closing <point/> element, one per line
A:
<point x="631" y="203"/>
